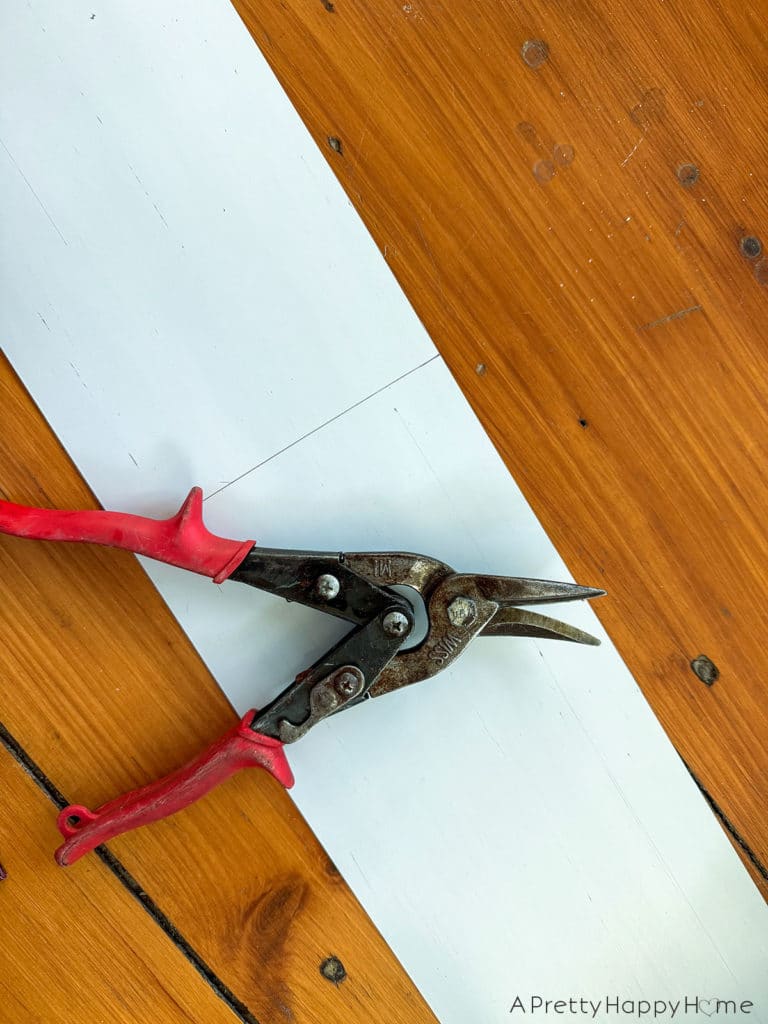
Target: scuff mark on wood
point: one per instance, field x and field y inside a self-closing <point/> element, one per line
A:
<point x="651" y="109"/>
<point x="543" y="171"/>
<point x="528" y="132"/>
<point x="632" y="152"/>
<point x="670" y="316"/>
<point x="564" y="154"/>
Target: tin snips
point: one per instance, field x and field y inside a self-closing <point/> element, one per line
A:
<point x="372" y="659"/>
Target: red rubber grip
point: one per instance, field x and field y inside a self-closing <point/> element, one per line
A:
<point x="239" y="748"/>
<point x="181" y="540"/>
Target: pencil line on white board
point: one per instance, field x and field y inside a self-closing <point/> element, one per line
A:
<point x="325" y="423"/>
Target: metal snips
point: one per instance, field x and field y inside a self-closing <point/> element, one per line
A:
<point x="378" y="655"/>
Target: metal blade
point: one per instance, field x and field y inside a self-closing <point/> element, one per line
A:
<point x="519" y="590"/>
<point x="521" y="622"/>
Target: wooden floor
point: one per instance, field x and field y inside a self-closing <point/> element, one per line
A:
<point x="571" y="198"/>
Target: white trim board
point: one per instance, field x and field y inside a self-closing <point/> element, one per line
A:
<point x="190" y="298"/>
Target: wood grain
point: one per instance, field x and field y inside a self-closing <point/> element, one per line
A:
<point x="598" y="310"/>
<point x="102" y="956"/>
<point x="104" y="692"/>
<point x="574" y="222"/>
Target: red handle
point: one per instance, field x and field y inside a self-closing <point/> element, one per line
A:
<point x="181" y="540"/>
<point x="239" y="748"/>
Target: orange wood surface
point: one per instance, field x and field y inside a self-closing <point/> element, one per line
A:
<point x="572" y="196"/>
<point x="103" y="692"/>
<point x="75" y="945"/>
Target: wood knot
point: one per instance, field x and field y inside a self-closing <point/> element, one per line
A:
<point x="267" y="920"/>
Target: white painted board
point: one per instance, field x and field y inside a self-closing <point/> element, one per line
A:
<point x="191" y="299"/>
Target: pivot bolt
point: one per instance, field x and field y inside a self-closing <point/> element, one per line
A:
<point x="462" y="611"/>
<point x="396" y="624"/>
<point x="327" y="587"/>
<point x="348" y="685"/>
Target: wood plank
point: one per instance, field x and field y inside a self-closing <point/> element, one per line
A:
<point x="108" y="694"/>
<point x="76" y="946"/>
<point x="578" y="225"/>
